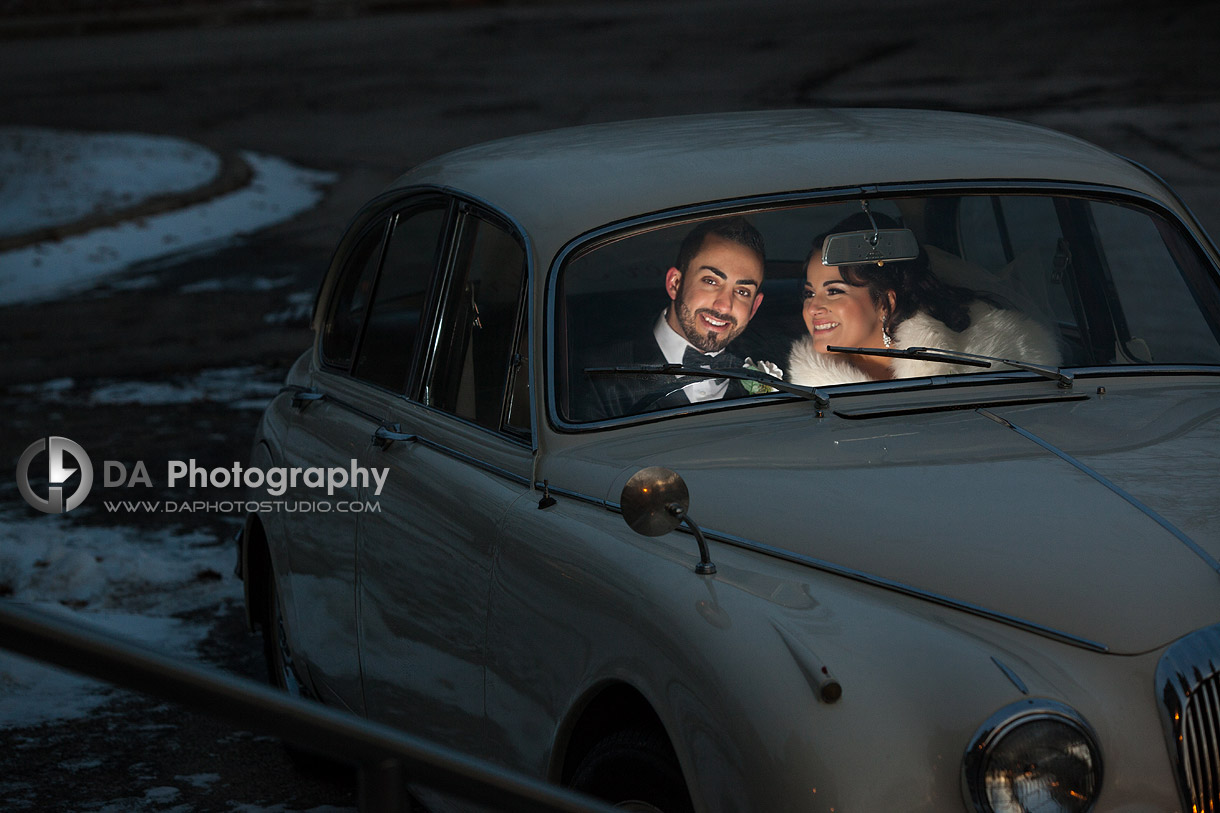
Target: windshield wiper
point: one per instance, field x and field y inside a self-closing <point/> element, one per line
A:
<point x="1063" y="379"/>
<point x="819" y="398"/>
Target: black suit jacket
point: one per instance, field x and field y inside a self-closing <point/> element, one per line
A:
<point x="629" y="394"/>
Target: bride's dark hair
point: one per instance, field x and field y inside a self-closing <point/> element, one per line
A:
<point x="914" y="285"/>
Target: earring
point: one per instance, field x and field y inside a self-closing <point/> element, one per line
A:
<point x="886" y="339"/>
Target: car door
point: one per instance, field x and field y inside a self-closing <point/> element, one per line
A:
<point x="461" y="456"/>
<point x="362" y="368"/>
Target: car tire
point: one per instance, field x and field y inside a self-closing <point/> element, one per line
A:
<point x="634" y="769"/>
<point x="280" y="670"/>
<point x="282" y="674"/>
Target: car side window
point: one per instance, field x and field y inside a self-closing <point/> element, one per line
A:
<point x="478" y="330"/>
<point x="411" y="258"/>
<point x="348" y="304"/>
<point x="1144" y="270"/>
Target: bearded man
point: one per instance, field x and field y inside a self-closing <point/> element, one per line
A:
<point x="714" y="292"/>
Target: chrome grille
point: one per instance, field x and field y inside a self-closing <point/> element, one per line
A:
<point x="1188" y="680"/>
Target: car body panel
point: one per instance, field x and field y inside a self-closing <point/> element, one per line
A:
<point x="323" y="556"/>
<point x="426" y="574"/>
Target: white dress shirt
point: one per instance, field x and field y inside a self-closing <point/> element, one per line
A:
<point x="673" y="345"/>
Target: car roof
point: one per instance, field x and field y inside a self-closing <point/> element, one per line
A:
<point x="561" y="183"/>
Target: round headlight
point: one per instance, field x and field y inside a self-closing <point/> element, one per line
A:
<point x="1035" y="756"/>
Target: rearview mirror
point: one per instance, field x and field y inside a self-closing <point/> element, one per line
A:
<point x="860" y="247"/>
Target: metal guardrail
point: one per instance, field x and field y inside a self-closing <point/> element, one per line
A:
<point x="57" y="18"/>
<point x="386" y="758"/>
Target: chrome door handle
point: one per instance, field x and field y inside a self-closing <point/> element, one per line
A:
<point x="386" y="435"/>
<point x="302" y="398"/>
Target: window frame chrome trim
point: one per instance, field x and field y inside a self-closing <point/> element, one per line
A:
<point x="388" y="207"/>
<point x="462" y="457"/>
<point x="591" y="240"/>
<point x="466" y="205"/>
<point x="459" y="206"/>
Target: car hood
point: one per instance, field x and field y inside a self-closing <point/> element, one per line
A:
<point x="1097" y="518"/>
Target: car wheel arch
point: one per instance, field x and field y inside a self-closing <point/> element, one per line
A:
<point x="255" y="570"/>
<point x="604" y="710"/>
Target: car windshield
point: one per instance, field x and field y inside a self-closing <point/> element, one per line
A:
<point x="1061" y="281"/>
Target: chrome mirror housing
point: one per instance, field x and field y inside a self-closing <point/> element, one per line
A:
<point x="654" y="501"/>
<point x="869" y="246"/>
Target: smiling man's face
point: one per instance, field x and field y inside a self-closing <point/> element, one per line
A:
<point x="718" y="294"/>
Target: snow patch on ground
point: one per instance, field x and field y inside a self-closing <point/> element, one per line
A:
<point x="255" y="284"/>
<point x="281" y="808"/>
<point x="299" y="309"/>
<point x="278" y="192"/>
<point x="238" y="387"/>
<point x="129" y="582"/>
<point x="52" y="177"/>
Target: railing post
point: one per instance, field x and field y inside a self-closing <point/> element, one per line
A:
<point x="381" y="788"/>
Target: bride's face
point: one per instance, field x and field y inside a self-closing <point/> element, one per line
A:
<point x="837" y="312"/>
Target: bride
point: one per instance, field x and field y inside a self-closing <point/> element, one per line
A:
<point x="900" y="305"/>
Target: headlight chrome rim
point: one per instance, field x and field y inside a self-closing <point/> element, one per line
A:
<point x="1006" y="721"/>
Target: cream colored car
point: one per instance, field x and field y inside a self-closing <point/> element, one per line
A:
<point x="988" y="582"/>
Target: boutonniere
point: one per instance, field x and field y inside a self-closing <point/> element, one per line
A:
<point x="758" y="387"/>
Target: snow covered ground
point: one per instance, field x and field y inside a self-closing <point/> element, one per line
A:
<point x="127" y="581"/>
<point x="236" y="387"/>
<point x="136" y="582"/>
<point x="50" y="178"/>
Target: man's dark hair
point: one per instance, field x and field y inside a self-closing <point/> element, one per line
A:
<point x="736" y="229"/>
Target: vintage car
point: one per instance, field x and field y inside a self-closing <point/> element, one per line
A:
<point x="972" y="581"/>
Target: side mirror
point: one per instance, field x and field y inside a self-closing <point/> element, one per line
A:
<point x="654" y="502"/>
<point x="862" y="247"/>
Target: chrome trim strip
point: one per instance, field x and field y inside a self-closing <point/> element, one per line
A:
<point x="339" y="402"/>
<point x="440" y="447"/>
<point x="1011" y="675"/>
<point x="1079" y="465"/>
<point x="949" y="406"/>
<point x="861" y="576"/>
<point x="905" y="589"/>
<point x="1208" y="753"/>
<point x="1136" y="370"/>
<point x="1192" y="220"/>
<point x="576" y="495"/>
<point x="490" y="468"/>
<point x="516" y="440"/>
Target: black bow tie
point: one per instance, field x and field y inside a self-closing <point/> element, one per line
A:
<point x="693" y="358"/>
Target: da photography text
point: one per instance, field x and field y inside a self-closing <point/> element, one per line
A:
<point x="277" y="479"/>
